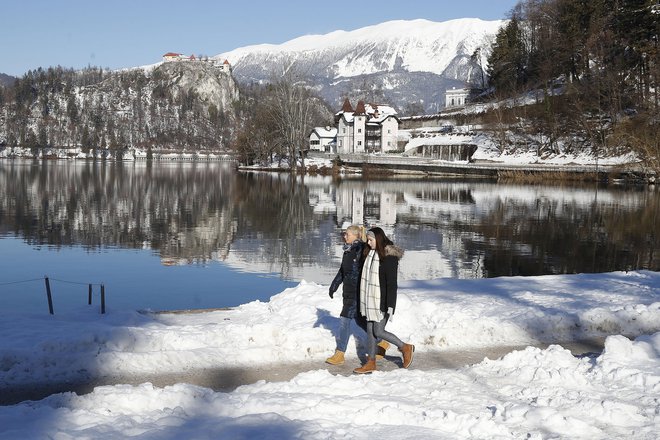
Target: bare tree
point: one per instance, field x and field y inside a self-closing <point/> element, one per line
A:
<point x="291" y="107"/>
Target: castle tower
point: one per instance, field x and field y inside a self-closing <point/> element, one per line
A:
<point x="359" y="128"/>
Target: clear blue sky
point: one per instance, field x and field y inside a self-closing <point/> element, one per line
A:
<point x="126" y="33"/>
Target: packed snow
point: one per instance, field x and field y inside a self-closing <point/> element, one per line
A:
<point x="531" y="393"/>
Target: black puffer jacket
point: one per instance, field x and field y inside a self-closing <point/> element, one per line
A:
<point x="387" y="277"/>
<point x="349" y="274"/>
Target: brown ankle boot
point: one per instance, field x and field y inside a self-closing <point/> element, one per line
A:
<point x="336" y="359"/>
<point x="407" y="351"/>
<point x="367" y="367"/>
<point x="381" y="348"/>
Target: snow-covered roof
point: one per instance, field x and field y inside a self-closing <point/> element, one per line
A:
<point x="325" y="132"/>
<point x="455" y="91"/>
<point x="375" y="112"/>
<point x="380" y="108"/>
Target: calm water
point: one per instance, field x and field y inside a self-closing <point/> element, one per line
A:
<point x="197" y="235"/>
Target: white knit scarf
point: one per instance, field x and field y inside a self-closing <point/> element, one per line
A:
<point x="370" y="288"/>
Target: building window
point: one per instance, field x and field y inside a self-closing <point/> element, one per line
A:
<point x="359" y="143"/>
<point x="359" y="130"/>
<point x="343" y="130"/>
<point x="389" y="131"/>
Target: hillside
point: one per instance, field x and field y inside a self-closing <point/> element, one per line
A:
<point x="6" y="80"/>
<point x="175" y="106"/>
<point x="399" y="62"/>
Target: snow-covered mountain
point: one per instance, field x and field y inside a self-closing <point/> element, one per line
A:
<point x="402" y="62"/>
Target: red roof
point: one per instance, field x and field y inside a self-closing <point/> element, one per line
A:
<point x="347" y="107"/>
<point x="360" y="110"/>
<point x="171" y="54"/>
<point x="226" y="62"/>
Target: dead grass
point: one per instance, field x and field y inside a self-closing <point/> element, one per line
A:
<point x="546" y="176"/>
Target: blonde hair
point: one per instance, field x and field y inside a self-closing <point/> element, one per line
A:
<point x="359" y="231"/>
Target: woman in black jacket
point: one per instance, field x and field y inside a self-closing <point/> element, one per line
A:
<point x="349" y="276"/>
<point x="378" y="292"/>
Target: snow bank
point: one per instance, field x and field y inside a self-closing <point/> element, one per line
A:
<point x="299" y="324"/>
<point x="527" y="394"/>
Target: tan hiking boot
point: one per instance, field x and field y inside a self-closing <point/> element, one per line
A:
<point x="381" y="349"/>
<point x="407" y="351"/>
<point x="369" y="367"/>
<point x="336" y="359"/>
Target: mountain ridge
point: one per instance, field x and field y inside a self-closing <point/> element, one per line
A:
<point x="378" y="60"/>
<point x="7" y="80"/>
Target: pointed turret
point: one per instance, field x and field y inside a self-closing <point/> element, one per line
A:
<point x="360" y="110"/>
<point x="347" y="107"/>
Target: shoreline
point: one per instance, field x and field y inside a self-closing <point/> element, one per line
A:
<point x="378" y="165"/>
<point x="417" y="167"/>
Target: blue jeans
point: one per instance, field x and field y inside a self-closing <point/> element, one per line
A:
<point x="345" y="327"/>
<point x="344" y="333"/>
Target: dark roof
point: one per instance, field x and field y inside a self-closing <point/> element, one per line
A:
<point x="347" y="107"/>
<point x="360" y="110"/>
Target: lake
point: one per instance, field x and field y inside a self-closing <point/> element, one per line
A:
<point x="180" y="235"/>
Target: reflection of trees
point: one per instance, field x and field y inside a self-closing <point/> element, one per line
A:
<point x="193" y="212"/>
<point x="551" y="237"/>
<point x="179" y="209"/>
<point x="495" y="230"/>
<point x="274" y="210"/>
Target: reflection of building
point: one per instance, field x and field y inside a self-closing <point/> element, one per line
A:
<point x="387" y="208"/>
<point x="355" y="205"/>
<point x="350" y="205"/>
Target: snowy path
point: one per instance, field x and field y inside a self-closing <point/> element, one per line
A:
<point x="228" y="379"/>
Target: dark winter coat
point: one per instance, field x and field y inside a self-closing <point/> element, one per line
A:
<point x="349" y="275"/>
<point x="387" y="277"/>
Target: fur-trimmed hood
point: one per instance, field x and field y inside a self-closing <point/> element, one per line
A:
<point x="392" y="250"/>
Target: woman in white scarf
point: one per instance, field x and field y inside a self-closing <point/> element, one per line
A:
<point x="378" y="291"/>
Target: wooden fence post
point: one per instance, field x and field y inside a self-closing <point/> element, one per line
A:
<point x="89" y="296"/>
<point x="102" y="298"/>
<point x="50" y="297"/>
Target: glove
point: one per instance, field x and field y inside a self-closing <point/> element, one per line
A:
<point x="390" y="311"/>
<point x="331" y="293"/>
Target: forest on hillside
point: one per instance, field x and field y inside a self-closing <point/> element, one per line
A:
<point x="98" y="109"/>
<point x="596" y="62"/>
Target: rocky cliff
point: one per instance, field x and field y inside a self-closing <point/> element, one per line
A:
<point x="177" y="105"/>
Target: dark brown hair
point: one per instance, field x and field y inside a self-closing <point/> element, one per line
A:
<point x="381" y="242"/>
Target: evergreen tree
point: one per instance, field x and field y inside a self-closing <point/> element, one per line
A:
<point x="42" y="139"/>
<point x="72" y="109"/>
<point x="507" y="63"/>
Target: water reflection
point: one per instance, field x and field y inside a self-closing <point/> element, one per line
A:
<point x="192" y="213"/>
